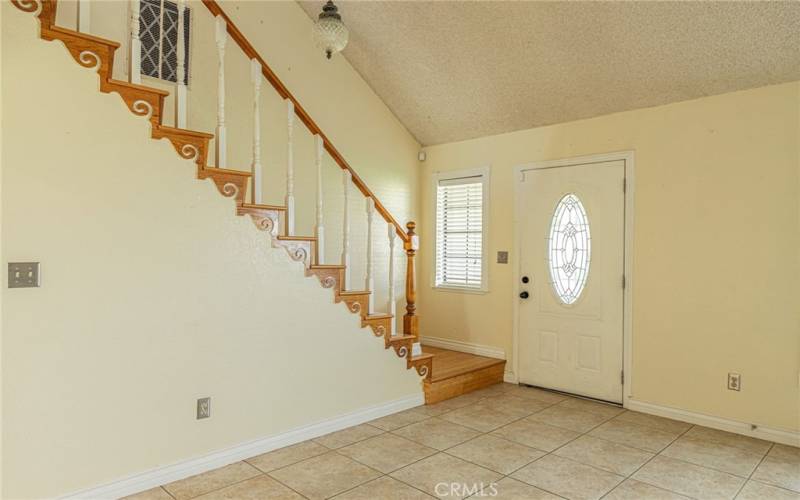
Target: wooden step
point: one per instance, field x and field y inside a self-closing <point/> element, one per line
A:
<point x="230" y="183"/>
<point x="265" y="217"/>
<point x="402" y="344"/>
<point x="381" y="324"/>
<point x="357" y="300"/>
<point x="423" y="363"/>
<point x="456" y="373"/>
<point x="140" y="99"/>
<point x="189" y="144"/>
<point x="330" y="276"/>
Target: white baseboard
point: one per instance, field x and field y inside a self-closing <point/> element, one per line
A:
<point x="162" y="475"/>
<point x="779" y="436"/>
<point x="468" y="347"/>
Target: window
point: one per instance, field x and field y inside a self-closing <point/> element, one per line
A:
<point x="158" y="32"/>
<point x="569" y="248"/>
<point x="461" y="214"/>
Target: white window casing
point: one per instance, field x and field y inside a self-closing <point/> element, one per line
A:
<point x="461" y="202"/>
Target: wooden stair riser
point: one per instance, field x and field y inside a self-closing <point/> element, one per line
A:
<point x="299" y="250"/>
<point x="423" y="364"/>
<point x="357" y="303"/>
<point x="328" y="277"/>
<point x="265" y="219"/>
<point x="381" y="326"/>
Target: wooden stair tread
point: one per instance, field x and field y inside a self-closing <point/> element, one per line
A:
<point x="86" y="36"/>
<point x="263" y="207"/>
<point x="327" y="266"/>
<point x="183" y="131"/>
<point x="421" y="357"/>
<point x="139" y="87"/>
<point x="348" y="293"/>
<point x="297" y="238"/>
<point x="379" y="316"/>
<point x="226" y="171"/>
<point x="400" y="337"/>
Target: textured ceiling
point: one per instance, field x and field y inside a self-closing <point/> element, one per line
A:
<point x="457" y="70"/>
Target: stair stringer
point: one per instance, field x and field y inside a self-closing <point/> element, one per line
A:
<point x="97" y="53"/>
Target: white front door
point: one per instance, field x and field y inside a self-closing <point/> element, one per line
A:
<point x="572" y="230"/>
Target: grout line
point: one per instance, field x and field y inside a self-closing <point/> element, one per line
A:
<point x="753" y="471"/>
<point x="221" y="487"/>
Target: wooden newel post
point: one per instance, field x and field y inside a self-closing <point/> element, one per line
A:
<point x="410" y="319"/>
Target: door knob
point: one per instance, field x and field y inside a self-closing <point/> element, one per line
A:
<point x="523" y="295"/>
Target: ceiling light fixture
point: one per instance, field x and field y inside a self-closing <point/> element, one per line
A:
<point x="330" y="32"/>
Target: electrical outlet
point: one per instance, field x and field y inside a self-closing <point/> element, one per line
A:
<point x="734" y="382"/>
<point x="203" y="408"/>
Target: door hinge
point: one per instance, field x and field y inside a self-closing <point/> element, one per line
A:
<point x="624" y="185"/>
<point x="623" y="282"/>
<point x="622" y="377"/>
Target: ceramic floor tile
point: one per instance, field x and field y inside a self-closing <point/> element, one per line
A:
<point x="401" y="419"/>
<point x="602" y="409"/>
<point x="569" y="418"/>
<point x="478" y="417"/>
<point x="536" y="434"/>
<point x="151" y="494"/>
<point x="212" y="480"/>
<point x="445" y="476"/>
<point x="492" y="390"/>
<point x="450" y="405"/>
<point x="513" y="405"/>
<point x="634" y="435"/>
<point x="632" y="489"/>
<point x="689" y="479"/>
<point x="436" y="433"/>
<point x="533" y="393"/>
<point x="348" y="436"/>
<point x="606" y="455"/>
<point x="659" y="423"/>
<point x="754" y="490"/>
<point x="714" y="455"/>
<point x="324" y="476"/>
<point x="287" y="456"/>
<point x="384" y="488"/>
<point x="567" y="478"/>
<point x="259" y="488"/>
<point x="386" y="452"/>
<point x="511" y="489"/>
<point x="495" y="453"/>
<point x="781" y="467"/>
<point x="746" y="443"/>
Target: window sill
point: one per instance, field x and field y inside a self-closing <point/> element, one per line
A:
<point x="455" y="289"/>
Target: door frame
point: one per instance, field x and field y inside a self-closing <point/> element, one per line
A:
<point x="627" y="295"/>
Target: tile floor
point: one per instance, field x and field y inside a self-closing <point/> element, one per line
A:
<point x="519" y="443"/>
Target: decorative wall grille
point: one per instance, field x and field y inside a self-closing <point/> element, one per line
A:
<point x="158" y="31"/>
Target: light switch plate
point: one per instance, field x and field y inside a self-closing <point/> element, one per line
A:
<point x="502" y="257"/>
<point x="23" y="274"/>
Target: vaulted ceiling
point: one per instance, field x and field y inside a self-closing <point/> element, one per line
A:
<point x="457" y="70"/>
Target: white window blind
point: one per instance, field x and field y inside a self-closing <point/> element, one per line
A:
<point x="459" y="232"/>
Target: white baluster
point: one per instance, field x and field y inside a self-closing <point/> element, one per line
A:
<point x="255" y="76"/>
<point x="83" y="16"/>
<point x="135" y="59"/>
<point x="222" y="38"/>
<point x="347" y="177"/>
<point x="180" y="80"/>
<point x="320" y="224"/>
<point x="370" y="279"/>
<point x="290" y="169"/>
<point x="392" y="301"/>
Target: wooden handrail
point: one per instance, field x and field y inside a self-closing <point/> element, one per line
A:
<point x="301" y="113"/>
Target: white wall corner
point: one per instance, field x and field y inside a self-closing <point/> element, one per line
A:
<point x="791" y="438"/>
<point x="468" y="347"/>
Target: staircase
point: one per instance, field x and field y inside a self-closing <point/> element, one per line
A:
<point x="277" y="221"/>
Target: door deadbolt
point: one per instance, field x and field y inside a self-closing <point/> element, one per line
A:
<point x="523" y="295"/>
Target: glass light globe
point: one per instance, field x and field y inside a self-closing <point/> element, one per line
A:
<point x="330" y="33"/>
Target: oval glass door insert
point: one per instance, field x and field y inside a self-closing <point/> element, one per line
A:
<point x="569" y="248"/>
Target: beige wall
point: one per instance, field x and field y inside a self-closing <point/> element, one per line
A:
<point x="716" y="272"/>
<point x="153" y="292"/>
